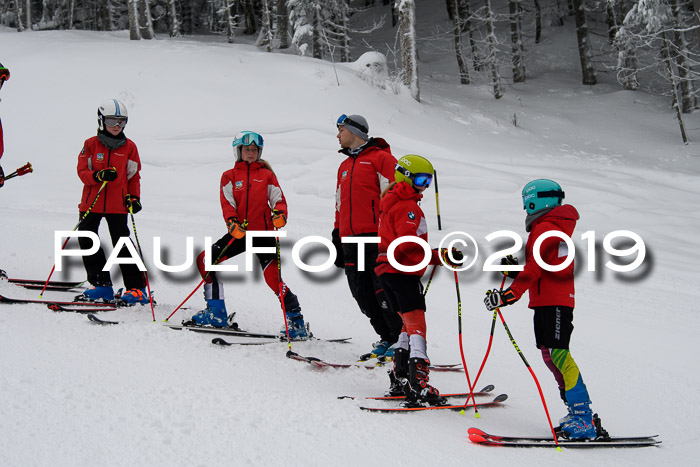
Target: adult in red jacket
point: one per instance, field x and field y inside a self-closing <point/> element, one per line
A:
<point x="251" y="199"/>
<point x="366" y="171"/>
<point x="551" y="298"/>
<point x="401" y="216"/>
<point x="109" y="166"/>
<point x="4" y="76"/>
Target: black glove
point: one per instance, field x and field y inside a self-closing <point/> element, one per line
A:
<point x="510" y="261"/>
<point x="339" y="258"/>
<point x="457" y="255"/>
<point x="497" y="298"/>
<point x="132" y="203"/>
<point x="105" y="175"/>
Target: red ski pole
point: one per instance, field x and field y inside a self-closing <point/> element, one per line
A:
<point x="145" y="273"/>
<point x="461" y="348"/>
<point x="104" y="184"/>
<point x="244" y="224"/>
<point x="25" y="169"/>
<point x="537" y="383"/>
<point x="488" y="348"/>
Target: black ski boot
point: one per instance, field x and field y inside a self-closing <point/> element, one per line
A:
<point x="399" y="374"/>
<point x="418" y="382"/>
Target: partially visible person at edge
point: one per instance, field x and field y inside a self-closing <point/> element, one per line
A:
<point x="109" y="167"/>
<point x="366" y="171"/>
<point x="4" y="76"/>
<point x="552" y="299"/>
<point x="251" y="199"/>
<point x="401" y="216"/>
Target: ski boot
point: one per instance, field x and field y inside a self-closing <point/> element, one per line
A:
<point x="96" y="294"/>
<point x="134" y="296"/>
<point x="296" y="326"/>
<point x="379" y="349"/>
<point x="298" y="330"/>
<point x="213" y="315"/>
<point x="399" y="374"/>
<point x="422" y="392"/>
<point x="580" y="425"/>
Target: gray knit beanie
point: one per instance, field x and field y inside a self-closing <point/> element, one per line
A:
<point x="357" y="125"/>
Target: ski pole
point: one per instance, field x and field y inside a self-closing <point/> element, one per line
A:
<point x="145" y="273"/>
<point x="281" y="287"/>
<point x="430" y="279"/>
<point x="488" y="348"/>
<point x="104" y="184"/>
<point x="437" y="199"/>
<point x="461" y="349"/>
<point x="25" y="169"/>
<point x="544" y="403"/>
<point x="245" y="224"/>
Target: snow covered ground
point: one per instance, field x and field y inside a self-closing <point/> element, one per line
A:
<point x="140" y="394"/>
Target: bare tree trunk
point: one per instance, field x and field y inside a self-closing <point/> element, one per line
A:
<point x="344" y="37"/>
<point x="146" y="20"/>
<point x="18" y="16"/>
<point x="265" y="37"/>
<point x="282" y="24"/>
<point x="230" y="23"/>
<point x="407" y="40"/>
<point x="71" y="14"/>
<point x="611" y="19"/>
<point x="538" y="22"/>
<point x="174" y="22"/>
<point x="457" y="32"/>
<point x="516" y="42"/>
<point x="628" y="68"/>
<point x="491" y="59"/>
<point x="465" y="14"/>
<point x="249" y="13"/>
<point x="28" y="15"/>
<point x="134" y="29"/>
<point x="584" y="46"/>
<point x="316" y="44"/>
<point x="666" y="53"/>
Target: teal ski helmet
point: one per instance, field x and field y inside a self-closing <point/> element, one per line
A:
<point x="246" y="138"/>
<point x="540" y="194"/>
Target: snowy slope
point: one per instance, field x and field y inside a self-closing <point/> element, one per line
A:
<point x="139" y="394"/>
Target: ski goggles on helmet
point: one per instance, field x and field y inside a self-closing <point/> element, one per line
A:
<point x="115" y="121"/>
<point x="419" y="180"/>
<point x="345" y="120"/>
<point x="248" y="138"/>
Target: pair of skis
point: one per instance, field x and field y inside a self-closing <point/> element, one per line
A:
<point x="59" y="305"/>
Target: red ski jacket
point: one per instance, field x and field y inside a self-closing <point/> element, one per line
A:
<point x="125" y="159"/>
<point x="548" y="288"/>
<point x="361" y="180"/>
<point x="402" y="216"/>
<point x="250" y="192"/>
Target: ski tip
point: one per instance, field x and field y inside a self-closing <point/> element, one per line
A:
<point x="500" y="398"/>
<point x="476" y="431"/>
<point x="476" y="438"/>
<point x="488" y="388"/>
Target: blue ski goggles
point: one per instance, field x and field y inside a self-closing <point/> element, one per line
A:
<point x="345" y="120"/>
<point x="249" y="138"/>
<point x="422" y="180"/>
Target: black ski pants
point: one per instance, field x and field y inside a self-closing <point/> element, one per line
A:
<point x="118" y="227"/>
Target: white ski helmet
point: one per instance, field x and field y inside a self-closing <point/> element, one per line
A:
<point x="112" y="108"/>
<point x="246" y="138"/>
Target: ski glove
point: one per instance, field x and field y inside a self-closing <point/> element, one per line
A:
<point x="235" y="229"/>
<point x="278" y="219"/>
<point x="105" y="175"/>
<point x="457" y="256"/>
<point x="338" y="244"/>
<point x="510" y="261"/>
<point x="497" y="298"/>
<point x="2" y="177"/>
<point x="132" y="203"/>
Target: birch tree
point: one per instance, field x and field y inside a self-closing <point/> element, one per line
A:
<point x="134" y="28"/>
<point x="517" y="52"/>
<point x="174" y="21"/>
<point x="407" y="41"/>
<point x="282" y="21"/>
<point x="491" y="59"/>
